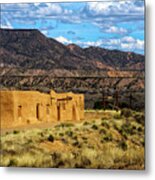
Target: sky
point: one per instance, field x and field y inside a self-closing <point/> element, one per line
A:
<point x="114" y="24"/>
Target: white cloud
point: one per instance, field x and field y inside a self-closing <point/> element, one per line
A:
<point x="114" y="8"/>
<point x="128" y="39"/>
<point x="114" y="29"/>
<point x="45" y="32"/>
<point x="63" y="40"/>
<point x="96" y="8"/>
<point x="89" y="43"/>
<point x="6" y="24"/>
<point x="50" y="9"/>
<point x="126" y="43"/>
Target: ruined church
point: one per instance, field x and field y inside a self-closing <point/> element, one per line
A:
<point x="20" y="108"/>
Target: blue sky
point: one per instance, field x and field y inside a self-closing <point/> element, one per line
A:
<point x="108" y="24"/>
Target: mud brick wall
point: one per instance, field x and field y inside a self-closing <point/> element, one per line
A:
<point x="20" y="108"/>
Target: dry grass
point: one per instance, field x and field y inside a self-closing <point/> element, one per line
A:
<point x="113" y="142"/>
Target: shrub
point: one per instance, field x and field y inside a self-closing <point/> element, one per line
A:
<point x="94" y="126"/>
<point x="143" y="142"/>
<point x="107" y="138"/>
<point x="16" y="132"/>
<point x="64" y="140"/>
<point x="86" y="123"/>
<point x="69" y="133"/>
<point x="117" y="116"/>
<point x="74" y="137"/>
<point x="123" y="133"/>
<point x="64" y="125"/>
<point x="116" y="127"/>
<point x="126" y="112"/>
<point x="76" y="143"/>
<point x="84" y="138"/>
<point x="140" y="129"/>
<point x="61" y="134"/>
<point x="102" y="131"/>
<point x="123" y="145"/>
<point x="12" y="162"/>
<point x="140" y="118"/>
<point x="50" y="138"/>
<point x="105" y="124"/>
<point x="127" y="128"/>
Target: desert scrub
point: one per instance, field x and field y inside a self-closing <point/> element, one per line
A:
<point x="113" y="144"/>
<point x="140" y="118"/>
<point x="117" y="116"/>
<point x="106" y="138"/>
<point x="86" y="123"/>
<point x="123" y="145"/>
<point x="16" y="132"/>
<point x="126" y="112"/>
<point x="61" y="134"/>
<point x="102" y="131"/>
<point x="117" y="127"/>
<point x="69" y="133"/>
<point x="105" y="124"/>
<point x="95" y="127"/>
<point x="50" y="138"/>
<point x="63" y="125"/>
<point x="127" y="128"/>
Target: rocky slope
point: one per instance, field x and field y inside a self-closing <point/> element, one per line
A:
<point x="31" y="50"/>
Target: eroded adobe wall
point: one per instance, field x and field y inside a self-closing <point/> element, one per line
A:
<point x="62" y="105"/>
<point x="32" y="107"/>
<point x="7" y="117"/>
<point x="20" y="108"/>
<point x="70" y="106"/>
<point x="78" y="103"/>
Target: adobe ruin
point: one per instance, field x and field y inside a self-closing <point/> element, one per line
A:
<point x="20" y="108"/>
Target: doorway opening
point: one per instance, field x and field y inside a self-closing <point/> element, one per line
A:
<point x="37" y="111"/>
<point x="58" y="112"/>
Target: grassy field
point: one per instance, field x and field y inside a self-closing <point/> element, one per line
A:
<point x="114" y="141"/>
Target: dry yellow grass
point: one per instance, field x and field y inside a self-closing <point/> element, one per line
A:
<point x="112" y="142"/>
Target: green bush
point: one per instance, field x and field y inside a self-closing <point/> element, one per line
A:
<point x="140" y="118"/>
<point x="107" y="138"/>
<point x="61" y="134"/>
<point x="50" y="138"/>
<point x="127" y="128"/>
<point x="102" y="131"/>
<point x="94" y="126"/>
<point x="105" y="124"/>
<point x="123" y="145"/>
<point x="117" y="116"/>
<point x="140" y="129"/>
<point x="86" y="123"/>
<point x="69" y="133"/>
<point x="126" y="112"/>
<point x="16" y="132"/>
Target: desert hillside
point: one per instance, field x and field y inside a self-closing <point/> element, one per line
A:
<point x="30" y="49"/>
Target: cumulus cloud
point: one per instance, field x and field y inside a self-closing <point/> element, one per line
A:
<point x="89" y="43"/>
<point x="106" y="17"/>
<point x="63" y="40"/>
<point x="126" y="43"/>
<point x="114" y="8"/>
<point x="49" y="9"/>
<point x="114" y="29"/>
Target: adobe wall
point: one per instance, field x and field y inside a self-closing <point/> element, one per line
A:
<point x="70" y="105"/>
<point x="7" y="116"/>
<point x="20" y="108"/>
<point x="31" y="107"/>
